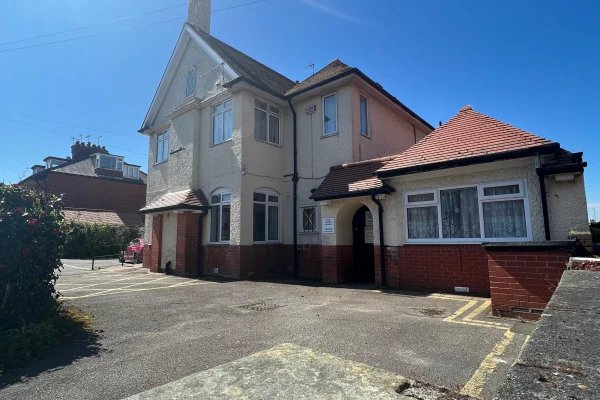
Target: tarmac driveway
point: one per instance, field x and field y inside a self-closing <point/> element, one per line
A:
<point x="155" y="329"/>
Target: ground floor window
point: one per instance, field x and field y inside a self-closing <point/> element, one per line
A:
<point x="220" y="217"/>
<point x="496" y="211"/>
<point x="265" y="217"/>
<point x="309" y="219"/>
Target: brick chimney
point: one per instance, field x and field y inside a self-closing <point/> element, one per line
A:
<point x="81" y="151"/>
<point x="199" y="15"/>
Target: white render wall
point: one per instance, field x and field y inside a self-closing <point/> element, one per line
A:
<point x="567" y="207"/>
<point x="169" y="240"/>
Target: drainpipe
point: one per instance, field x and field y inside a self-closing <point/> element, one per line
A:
<point x="200" y="261"/>
<point x="295" y="189"/>
<point x="381" y="240"/>
<point x="542" y="175"/>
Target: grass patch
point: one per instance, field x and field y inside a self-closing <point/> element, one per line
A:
<point x="32" y="340"/>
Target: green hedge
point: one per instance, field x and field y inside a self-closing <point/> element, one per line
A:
<point x="92" y="240"/>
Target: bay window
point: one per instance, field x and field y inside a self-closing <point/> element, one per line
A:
<point x="222" y="121"/>
<point x="265" y="217"/>
<point x="220" y="217"/>
<point x="266" y="122"/>
<point x="488" y="212"/>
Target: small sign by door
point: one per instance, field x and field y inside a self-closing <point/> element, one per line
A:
<point x="328" y="225"/>
<point x="369" y="238"/>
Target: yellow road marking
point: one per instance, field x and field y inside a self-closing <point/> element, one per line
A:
<point x="461" y="311"/>
<point x="474" y="386"/>
<point x="470" y="318"/>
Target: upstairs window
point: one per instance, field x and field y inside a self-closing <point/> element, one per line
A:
<point x="220" y="217"/>
<point x="162" y="147"/>
<point x="107" y="161"/>
<point x="364" y="116"/>
<point x="266" y="122"/>
<point x="129" y="171"/>
<point x="330" y="123"/>
<point x="265" y="217"/>
<point x="222" y="121"/>
<point x="190" y="83"/>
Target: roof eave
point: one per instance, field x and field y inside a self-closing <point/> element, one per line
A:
<point x="175" y="207"/>
<point x="385" y="189"/>
<point x="462" y="162"/>
<point x="257" y="85"/>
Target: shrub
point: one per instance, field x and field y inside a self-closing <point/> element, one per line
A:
<point x="88" y="240"/>
<point x="31" y="228"/>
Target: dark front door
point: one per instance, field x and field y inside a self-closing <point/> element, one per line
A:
<point x="362" y="228"/>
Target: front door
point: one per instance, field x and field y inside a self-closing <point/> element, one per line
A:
<point x="362" y="228"/>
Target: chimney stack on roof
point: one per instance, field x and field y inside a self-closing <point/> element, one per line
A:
<point x="199" y="15"/>
<point x="81" y="151"/>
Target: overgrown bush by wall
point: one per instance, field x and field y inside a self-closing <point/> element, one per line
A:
<point x="31" y="239"/>
<point x="89" y="240"/>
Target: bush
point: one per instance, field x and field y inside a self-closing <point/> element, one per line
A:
<point x="595" y="229"/>
<point x="89" y="240"/>
<point x="31" y="228"/>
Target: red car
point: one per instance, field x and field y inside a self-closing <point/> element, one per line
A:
<point x="134" y="252"/>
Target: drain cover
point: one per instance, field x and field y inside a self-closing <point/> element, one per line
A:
<point x="260" y="306"/>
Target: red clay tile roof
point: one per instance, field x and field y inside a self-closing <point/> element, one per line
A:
<point x="105" y="217"/>
<point x="469" y="134"/>
<point x="348" y="180"/>
<point x="185" y="200"/>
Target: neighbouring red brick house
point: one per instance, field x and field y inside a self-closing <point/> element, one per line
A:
<point x="96" y="187"/>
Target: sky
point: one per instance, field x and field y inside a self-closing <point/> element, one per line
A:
<point x="73" y="68"/>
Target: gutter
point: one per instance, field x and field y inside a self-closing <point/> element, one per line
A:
<point x="382" y="190"/>
<point x="381" y="237"/>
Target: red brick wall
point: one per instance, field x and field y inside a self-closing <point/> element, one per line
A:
<point x="147" y="259"/>
<point x="225" y="257"/>
<point x="524" y="278"/>
<point x="263" y="260"/>
<point x="186" y="259"/>
<point x="97" y="193"/>
<point x="435" y="267"/>
<point x="310" y="261"/>
<point x="336" y="263"/>
<point x="155" y="249"/>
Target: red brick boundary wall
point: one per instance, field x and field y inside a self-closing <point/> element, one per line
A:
<point x="522" y="280"/>
<point x="435" y="267"/>
<point x="336" y="263"/>
<point x="186" y="255"/>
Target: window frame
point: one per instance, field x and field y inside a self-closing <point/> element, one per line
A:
<point x="267" y="192"/>
<point x="162" y="141"/>
<point x="118" y="161"/>
<point x="190" y="83"/>
<point x="220" y="193"/>
<point x="269" y="114"/>
<point x="127" y="168"/>
<point x="365" y="133"/>
<point x="316" y="224"/>
<point x="337" y="128"/>
<point x="222" y="114"/>
<point x="522" y="195"/>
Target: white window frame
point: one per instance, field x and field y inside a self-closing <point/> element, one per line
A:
<point x="337" y="122"/>
<point x="222" y="116"/>
<point x="316" y="214"/>
<point x="118" y="161"/>
<point x="269" y="114"/>
<point x="360" y="116"/>
<point x="161" y="139"/>
<point x="267" y="192"/>
<point x="522" y="195"/>
<point x="190" y="83"/>
<point x="220" y="193"/>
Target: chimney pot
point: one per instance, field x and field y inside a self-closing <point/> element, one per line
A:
<point x="199" y="14"/>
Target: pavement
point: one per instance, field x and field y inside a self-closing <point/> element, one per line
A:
<point x="154" y="329"/>
<point x="562" y="359"/>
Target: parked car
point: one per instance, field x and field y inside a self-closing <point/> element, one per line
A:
<point x="134" y="251"/>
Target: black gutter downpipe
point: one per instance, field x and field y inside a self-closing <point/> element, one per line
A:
<point x="542" y="177"/>
<point x="381" y="239"/>
<point x="295" y="189"/>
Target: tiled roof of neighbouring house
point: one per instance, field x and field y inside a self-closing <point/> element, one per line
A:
<point x="468" y="136"/>
<point x="87" y="168"/>
<point x="246" y="66"/>
<point x="105" y="217"/>
<point x="182" y="200"/>
<point x="348" y="180"/>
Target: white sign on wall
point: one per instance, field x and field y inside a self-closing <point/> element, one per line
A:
<point x="310" y="109"/>
<point x="369" y="228"/>
<point x="328" y="225"/>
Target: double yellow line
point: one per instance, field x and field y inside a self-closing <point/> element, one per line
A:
<point x="471" y="318"/>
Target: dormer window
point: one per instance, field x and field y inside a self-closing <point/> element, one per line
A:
<point x="190" y="83"/>
<point x="130" y="171"/>
<point x="107" y="161"/>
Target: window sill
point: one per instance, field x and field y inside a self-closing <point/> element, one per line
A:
<point x="160" y="162"/>
<point x="308" y="233"/>
<point x="224" y="141"/>
<point x="466" y="241"/>
<point x="366" y="136"/>
<point x="328" y="135"/>
<point x="270" y="143"/>
<point x="218" y="244"/>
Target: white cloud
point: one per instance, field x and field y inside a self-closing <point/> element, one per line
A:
<point x="329" y="10"/>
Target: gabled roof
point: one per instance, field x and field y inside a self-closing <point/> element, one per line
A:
<point x="351" y="180"/>
<point x="332" y="70"/>
<point x="246" y="66"/>
<point x="183" y="200"/>
<point x="469" y="137"/>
